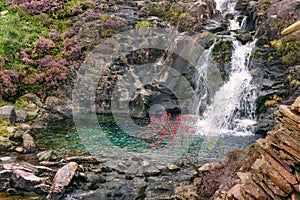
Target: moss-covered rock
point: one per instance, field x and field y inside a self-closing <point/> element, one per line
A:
<point x="288" y="48"/>
<point x="222" y="52"/>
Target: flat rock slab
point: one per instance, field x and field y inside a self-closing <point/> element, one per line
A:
<point x="61" y="180"/>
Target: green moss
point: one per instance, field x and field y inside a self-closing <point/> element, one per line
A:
<point x="31" y="117"/>
<point x="3" y="127"/>
<point x="288" y="48"/>
<point x="175" y="16"/>
<point x="143" y="24"/>
<point x="109" y="32"/>
<point x="222" y="52"/>
<point x="104" y="17"/>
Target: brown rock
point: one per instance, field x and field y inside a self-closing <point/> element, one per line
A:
<point x="282" y="171"/>
<point x="288" y="113"/>
<point x="235" y="193"/>
<point x="259" y="180"/>
<point x="244" y="177"/>
<point x="266" y="148"/>
<point x="255" y="191"/>
<point x="297" y="188"/>
<point x="274" y="178"/>
<point x="211" y="166"/>
<point x="295" y="196"/>
<point x="61" y="180"/>
<point x="296" y="105"/>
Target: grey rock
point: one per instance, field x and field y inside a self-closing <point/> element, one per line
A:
<point x="8" y="112"/>
<point x="47" y="155"/>
<point x="32" y="98"/>
<point x="26" y="180"/>
<point x="95" y="180"/>
<point x="22" y="116"/>
<point x="60" y="106"/>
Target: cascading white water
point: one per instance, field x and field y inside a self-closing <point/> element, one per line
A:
<point x="232" y="107"/>
<point x="225" y="6"/>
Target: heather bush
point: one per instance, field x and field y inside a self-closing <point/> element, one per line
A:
<point x="36" y="6"/>
<point x="69" y="33"/>
<point x="112" y="23"/>
<point x="25" y="57"/>
<point x="49" y="61"/>
<point x="91" y="15"/>
<point x="8" y="80"/>
<point x="54" y="34"/>
<point x="71" y="50"/>
<point x="43" y="45"/>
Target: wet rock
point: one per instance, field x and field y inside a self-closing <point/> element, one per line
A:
<point x="28" y="143"/>
<point x="42" y="188"/>
<point x="61" y="180"/>
<point x="95" y="180"/>
<point x="26" y="180"/>
<point x="214" y="26"/>
<point x="203" y="10"/>
<point x="244" y="38"/>
<point x="151" y="170"/>
<point x="8" y="112"/>
<point x="12" y="191"/>
<point x="22" y="116"/>
<point x="58" y="105"/>
<point x="83" y="159"/>
<point x="47" y="155"/>
<point x="160" y="188"/>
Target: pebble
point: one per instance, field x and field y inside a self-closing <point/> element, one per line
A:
<point x="3" y="13"/>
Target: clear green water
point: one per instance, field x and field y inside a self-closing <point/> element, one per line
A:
<point x="110" y="141"/>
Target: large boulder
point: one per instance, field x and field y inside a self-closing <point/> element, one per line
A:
<point x="9" y="113"/>
<point x="61" y="180"/>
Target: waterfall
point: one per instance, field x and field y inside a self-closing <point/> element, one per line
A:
<point x="231" y="108"/>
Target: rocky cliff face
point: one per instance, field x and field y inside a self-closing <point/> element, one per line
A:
<point x="269" y="170"/>
<point x="275" y="174"/>
<point x="275" y="60"/>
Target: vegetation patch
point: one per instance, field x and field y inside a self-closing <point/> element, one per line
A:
<point x="275" y="99"/>
<point x="222" y="52"/>
<point x="288" y="49"/>
<point x="30" y="34"/>
<point x="143" y="24"/>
